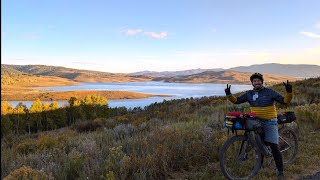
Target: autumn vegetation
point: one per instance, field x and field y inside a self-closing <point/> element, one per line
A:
<point x="176" y="139"/>
<point x="81" y="94"/>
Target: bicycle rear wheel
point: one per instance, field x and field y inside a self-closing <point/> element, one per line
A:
<point x="288" y="145"/>
<point x="239" y="159"/>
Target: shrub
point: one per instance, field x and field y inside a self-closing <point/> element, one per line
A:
<point x="87" y="126"/>
<point x="25" y="147"/>
<point x="26" y="172"/>
<point x="46" y="142"/>
<point x="74" y="165"/>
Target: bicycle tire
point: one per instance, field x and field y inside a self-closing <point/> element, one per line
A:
<point x="282" y="132"/>
<point x="222" y="155"/>
<point x="293" y="155"/>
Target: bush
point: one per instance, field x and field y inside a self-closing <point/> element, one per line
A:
<point x="26" y="172"/>
<point x="309" y="113"/>
<point x="74" y="165"/>
<point x="25" y="147"/>
<point x="46" y="142"/>
<point x="87" y="126"/>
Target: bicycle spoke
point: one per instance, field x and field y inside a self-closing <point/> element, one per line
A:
<point x="288" y="145"/>
<point x="240" y="159"/>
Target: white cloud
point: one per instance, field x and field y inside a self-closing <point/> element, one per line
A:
<point x="132" y="32"/>
<point x="155" y="35"/>
<point x="317" y="26"/>
<point x="310" y="34"/>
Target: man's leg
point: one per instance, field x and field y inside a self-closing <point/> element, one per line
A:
<point x="272" y="139"/>
<point x="276" y="156"/>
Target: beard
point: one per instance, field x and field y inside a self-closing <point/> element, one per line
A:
<point x="257" y="86"/>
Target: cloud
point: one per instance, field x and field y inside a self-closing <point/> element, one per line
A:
<point x="310" y="34"/>
<point x="132" y="32"/>
<point x="317" y="26"/>
<point x="155" y="35"/>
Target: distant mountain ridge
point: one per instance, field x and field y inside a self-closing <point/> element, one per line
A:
<point x="293" y="70"/>
<point x="191" y="76"/>
<point x="224" y="77"/>
<point x="175" y="73"/>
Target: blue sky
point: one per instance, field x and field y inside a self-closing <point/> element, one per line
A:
<point x="129" y="36"/>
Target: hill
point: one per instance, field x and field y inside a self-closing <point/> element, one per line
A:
<point x="176" y="73"/>
<point x="224" y="77"/>
<point x="294" y="70"/>
<point x="76" y="74"/>
<point x="10" y="76"/>
<point x="190" y="76"/>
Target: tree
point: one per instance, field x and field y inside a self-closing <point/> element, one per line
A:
<point x="19" y="118"/>
<point x="35" y="116"/>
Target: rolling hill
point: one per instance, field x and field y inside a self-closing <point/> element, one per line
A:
<point x="224" y="77"/>
<point x="75" y="74"/>
<point x="176" y="73"/>
<point x="190" y="76"/>
<point x="294" y="70"/>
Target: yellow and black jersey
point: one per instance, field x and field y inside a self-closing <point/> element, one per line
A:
<point x="262" y="101"/>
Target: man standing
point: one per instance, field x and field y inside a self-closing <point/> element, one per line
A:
<point x="262" y="102"/>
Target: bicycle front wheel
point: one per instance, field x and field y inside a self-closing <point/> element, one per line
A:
<point x="239" y="159"/>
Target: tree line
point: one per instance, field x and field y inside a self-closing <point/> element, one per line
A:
<point x="44" y="116"/>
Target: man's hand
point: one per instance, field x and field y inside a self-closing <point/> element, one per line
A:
<point x="288" y="87"/>
<point x="227" y="90"/>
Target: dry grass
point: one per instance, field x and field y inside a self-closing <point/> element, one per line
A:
<point x="65" y="95"/>
<point x="178" y="139"/>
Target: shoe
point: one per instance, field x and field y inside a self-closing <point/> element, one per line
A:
<point x="281" y="176"/>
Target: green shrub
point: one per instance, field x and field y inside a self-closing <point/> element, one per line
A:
<point x="25" y="147"/>
<point x="46" y="142"/>
<point x="74" y="165"/>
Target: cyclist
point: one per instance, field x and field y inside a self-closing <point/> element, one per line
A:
<point x="261" y="100"/>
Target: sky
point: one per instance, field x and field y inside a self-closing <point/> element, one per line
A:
<point x="168" y="35"/>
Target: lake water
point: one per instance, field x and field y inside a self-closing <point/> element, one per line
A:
<point x="175" y="90"/>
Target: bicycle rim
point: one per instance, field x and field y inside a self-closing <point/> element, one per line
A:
<point x="288" y="145"/>
<point x="239" y="159"/>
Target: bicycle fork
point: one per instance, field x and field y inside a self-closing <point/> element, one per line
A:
<point x="243" y="151"/>
<point x="257" y="142"/>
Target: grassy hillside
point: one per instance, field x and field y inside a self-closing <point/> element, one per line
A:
<point x="224" y="77"/>
<point x="177" y="139"/>
<point x="11" y="76"/>
<point x="95" y="76"/>
<point x="76" y="74"/>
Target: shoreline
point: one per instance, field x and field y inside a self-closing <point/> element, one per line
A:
<point x="65" y="95"/>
